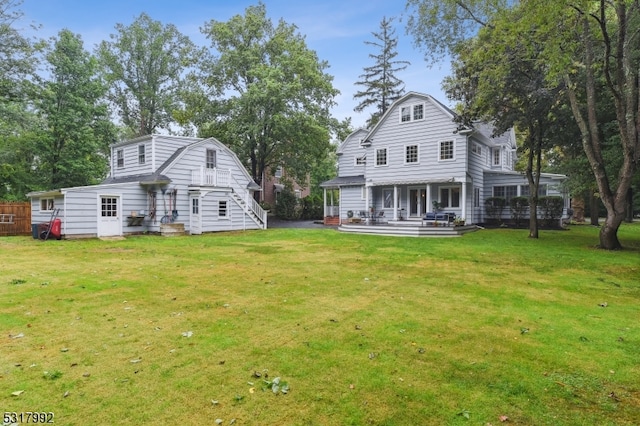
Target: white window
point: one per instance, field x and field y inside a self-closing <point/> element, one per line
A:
<point x="411" y="113"/>
<point x="381" y="157"/>
<point x="418" y="112"/>
<point x="405" y="114"/>
<point x="141" y="154"/>
<point x="46" y="204"/>
<point x="195" y="206"/>
<point x="211" y="158"/>
<point x="476" y="148"/>
<point x="222" y="209"/>
<point x="450" y="197"/>
<point x="411" y="154"/>
<point x="497" y="157"/>
<point x="278" y="173"/>
<point x="476" y="197"/>
<point x="361" y="160"/>
<point x="120" y="158"/>
<point x="446" y="150"/>
<point x="109" y="207"/>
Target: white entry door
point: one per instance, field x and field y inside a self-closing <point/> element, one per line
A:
<point x="109" y="216"/>
<point x="195" y="221"/>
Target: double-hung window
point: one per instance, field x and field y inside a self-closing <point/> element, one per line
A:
<point x="120" y="158"/>
<point x="211" y="159"/>
<point x="412" y="113"/>
<point x="405" y="114"/>
<point x="418" y="112"/>
<point x="497" y="157"/>
<point x="141" y="154"/>
<point x="450" y="197"/>
<point x="446" y="150"/>
<point x="381" y="157"/>
<point x="411" y="154"/>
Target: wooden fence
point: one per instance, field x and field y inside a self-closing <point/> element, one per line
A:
<point x="20" y="221"/>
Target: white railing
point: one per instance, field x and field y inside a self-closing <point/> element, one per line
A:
<point x="257" y="209"/>
<point x="211" y="177"/>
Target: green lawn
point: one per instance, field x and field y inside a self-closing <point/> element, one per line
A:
<point x="360" y="329"/>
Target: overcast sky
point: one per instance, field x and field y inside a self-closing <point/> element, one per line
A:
<point x="335" y="29"/>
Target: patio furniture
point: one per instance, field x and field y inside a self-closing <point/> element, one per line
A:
<point x="434" y="218"/>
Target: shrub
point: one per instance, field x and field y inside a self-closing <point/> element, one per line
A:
<point x="494" y="207"/>
<point x="518" y="207"/>
<point x="287" y="205"/>
<point x="312" y="207"/>
<point x="551" y="208"/>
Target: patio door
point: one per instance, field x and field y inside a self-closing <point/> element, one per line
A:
<point x="109" y="216"/>
<point x="417" y="202"/>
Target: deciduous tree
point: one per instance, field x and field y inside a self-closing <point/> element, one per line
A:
<point x="72" y="147"/>
<point x="146" y="65"/>
<point x="277" y="95"/>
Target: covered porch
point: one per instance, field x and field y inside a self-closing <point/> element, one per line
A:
<point x="358" y="200"/>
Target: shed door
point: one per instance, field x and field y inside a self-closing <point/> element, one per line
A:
<point x="195" y="220"/>
<point x="109" y="216"/>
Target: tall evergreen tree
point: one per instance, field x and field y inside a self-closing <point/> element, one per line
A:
<point x="382" y="87"/>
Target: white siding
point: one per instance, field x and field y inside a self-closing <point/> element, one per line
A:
<point x="349" y="151"/>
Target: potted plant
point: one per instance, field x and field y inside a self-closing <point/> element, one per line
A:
<point x="437" y="206"/>
<point x="459" y="221"/>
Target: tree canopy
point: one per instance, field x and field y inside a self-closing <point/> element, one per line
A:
<point x="145" y="65"/>
<point x="591" y="48"/>
<point x="276" y="109"/>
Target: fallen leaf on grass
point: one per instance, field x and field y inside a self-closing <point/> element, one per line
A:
<point x="17" y="393"/>
<point x="16" y="336"/>
<point x="504" y="418"/>
<point x="187" y="333"/>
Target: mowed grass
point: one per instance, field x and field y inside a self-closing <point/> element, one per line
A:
<point x="363" y="329"/>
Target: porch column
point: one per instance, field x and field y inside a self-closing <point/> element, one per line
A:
<point x="428" y="200"/>
<point x="366" y="198"/>
<point x="464" y="200"/>
<point x="395" y="202"/>
<point x="324" y="202"/>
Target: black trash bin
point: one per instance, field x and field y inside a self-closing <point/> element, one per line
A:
<point x="34" y="231"/>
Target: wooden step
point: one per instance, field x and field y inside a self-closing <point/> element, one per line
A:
<point x="172" y="229"/>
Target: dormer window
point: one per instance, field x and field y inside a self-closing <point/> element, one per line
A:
<point x="476" y="148"/>
<point x="141" y="154"/>
<point x="497" y="157"/>
<point x="120" y="158"/>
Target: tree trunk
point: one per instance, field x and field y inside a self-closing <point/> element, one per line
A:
<point x="594" y="208"/>
<point x="629" y="213"/>
<point x="609" y="232"/>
